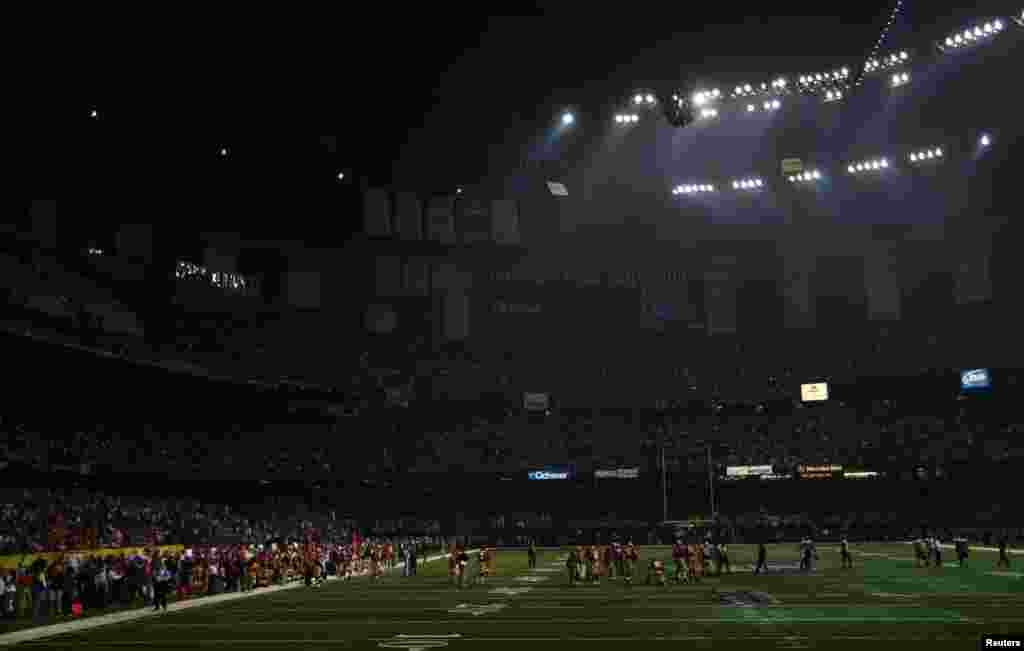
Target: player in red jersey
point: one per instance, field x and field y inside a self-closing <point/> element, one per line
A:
<point x="630" y="557"/>
<point x="679" y="558"/>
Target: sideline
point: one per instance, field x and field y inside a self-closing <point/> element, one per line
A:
<point x="63" y="628"/>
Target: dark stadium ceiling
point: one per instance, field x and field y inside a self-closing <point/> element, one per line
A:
<point x="429" y="102"/>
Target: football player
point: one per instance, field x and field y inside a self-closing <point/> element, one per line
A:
<point x="630" y="558"/>
<point x="463" y="558"/>
<point x="844" y="553"/>
<point x="1004" y="559"/>
<point x="961" y="550"/>
<point x="723" y="559"/>
<point x="656" y="571"/>
<point x="485" y="570"/>
<point x="679" y="554"/>
<point x="920" y="555"/>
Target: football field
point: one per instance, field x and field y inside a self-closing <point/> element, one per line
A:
<point x="884" y="601"/>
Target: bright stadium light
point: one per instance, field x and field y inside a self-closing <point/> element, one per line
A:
<point x="568" y="118"/>
<point x="709" y="113"/>
<point x="649" y="99"/>
<point x="751" y="108"/>
<point x="900" y="78"/>
<point x="985" y="140"/>
<point x="924" y="155"/>
<point x="806" y="176"/>
<point x="695" y="189"/>
<point x="747" y="184"/>
<point x="869" y="165"/>
<point x="638" y="99"/>
<point x="833" y="95"/>
<point x="972" y="35"/>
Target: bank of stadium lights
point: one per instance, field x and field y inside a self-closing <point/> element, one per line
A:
<point x="693" y="189"/>
<point x="884" y="63"/>
<point x="747" y="184"/>
<point x="643" y="99"/>
<point x="744" y="90"/>
<point x="772" y="105"/>
<point x="703" y="97"/>
<point x="833" y="95"/>
<point x="875" y="165"/>
<point x="708" y="113"/>
<point x="805" y="177"/>
<point x="926" y="155"/>
<point x="971" y="36"/>
<point x="899" y="79"/>
<point x="821" y="79"/>
<point x="627" y="118"/>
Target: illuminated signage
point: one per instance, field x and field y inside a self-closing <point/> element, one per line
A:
<point x="550" y="473"/>
<point x="816" y="472"/>
<point x="814" y="392"/>
<point x="975" y="379"/>
<point x="748" y="471"/>
<point x="535" y="401"/>
<point x="618" y="473"/>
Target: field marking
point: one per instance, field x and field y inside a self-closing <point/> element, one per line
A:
<point x="1013" y="574"/>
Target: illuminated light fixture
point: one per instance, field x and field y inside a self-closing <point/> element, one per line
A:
<point x="694" y="189"/>
<point x="709" y="113"/>
<point x="975" y="34"/>
<point x="926" y="155"/>
<point x="568" y="118"/>
<point x="985" y="140"/>
<point x="891" y="61"/>
<point x="805" y="177"/>
<point x="779" y="84"/>
<point x="747" y="184"/>
<point x="772" y="105"/>
<point x="900" y="79"/>
<point x="649" y="99"/>
<point x="751" y="108"/>
<point x="867" y="166"/>
<point x="627" y="118"/>
<point x="638" y="99"/>
<point x="833" y="95"/>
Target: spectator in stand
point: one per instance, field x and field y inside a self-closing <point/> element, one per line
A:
<point x="69" y="589"/>
<point x="101" y="581"/>
<point x="39" y="594"/>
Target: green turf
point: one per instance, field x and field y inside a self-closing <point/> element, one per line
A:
<point x="884" y="601"/>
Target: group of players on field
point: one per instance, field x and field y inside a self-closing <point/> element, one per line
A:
<point x="928" y="552"/>
<point x="588" y="563"/>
